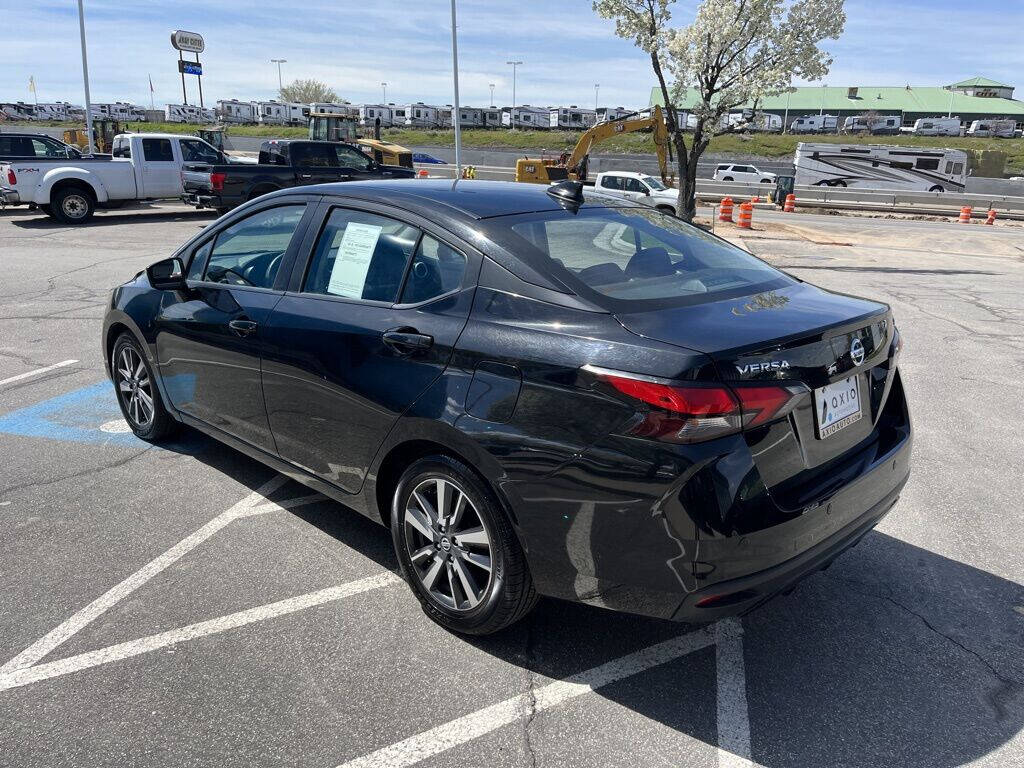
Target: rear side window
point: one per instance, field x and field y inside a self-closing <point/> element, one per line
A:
<point x="122" y="148"/>
<point x="314" y="155"/>
<point x="611" y="182"/>
<point x="436" y="270"/>
<point x="157" y="150"/>
<point x="15" y="146"/>
<point x="360" y="255"/>
<point x="250" y="251"/>
<point x="629" y="259"/>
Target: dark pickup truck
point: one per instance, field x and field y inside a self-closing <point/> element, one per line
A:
<point x="281" y="164"/>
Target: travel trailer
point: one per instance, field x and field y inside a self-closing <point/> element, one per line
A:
<point x="298" y="114"/>
<point x="370" y="113"/>
<point x="526" y="116"/>
<point x="271" y="112"/>
<point x="333" y="108"/>
<point x="936" y="126"/>
<point x="997" y="129"/>
<point x="444" y="116"/>
<point x="879" y="166"/>
<point x="471" y="117"/>
<point x="18" y="111"/>
<point x="490" y="117"/>
<point x="419" y="115"/>
<point x="234" y="111"/>
<point x="761" y="122"/>
<point x="604" y="114"/>
<point x="55" y="111"/>
<point x="187" y="113"/>
<point x="879" y="125"/>
<point x="815" y="124"/>
<point x="571" y="118"/>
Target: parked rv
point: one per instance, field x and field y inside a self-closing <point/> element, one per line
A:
<point x="18" y="111"/>
<point x="879" y="125"/>
<point x="815" y="124"/>
<point x="270" y="112"/>
<point x="879" y="166"/>
<point x="234" y="111"/>
<point x="418" y="115"/>
<point x="936" y="126"/>
<point x="997" y="129"/>
<point x="297" y="114"/>
<point x="525" y="116"/>
<point x="471" y="117"/>
<point x="186" y="113"/>
<point x="333" y="108"/>
<point x="605" y="114"/>
<point x="490" y="117"/>
<point x="571" y="118"/>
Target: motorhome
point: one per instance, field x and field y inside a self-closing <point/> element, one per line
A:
<point x="298" y="114"/>
<point x="235" y="111"/>
<point x="936" y="126"/>
<point x="55" y="111"/>
<point x="878" y="125"/>
<point x="17" y="111"/>
<point x="997" y="129"/>
<point x="271" y="112"/>
<point x="880" y="166"/>
<point x="185" y="113"/>
<point x="121" y="111"/>
<point x="815" y="124"/>
<point x="525" y="116"/>
<point x="571" y="118"/>
<point x="605" y="114"/>
<point x="419" y="115"/>
<point x="370" y="113"/>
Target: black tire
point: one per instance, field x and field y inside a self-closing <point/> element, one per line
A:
<point x="766" y="181"/>
<point x="124" y="367"/>
<point x="840" y="183"/>
<point x="508" y="594"/>
<point x="936" y="188"/>
<point x="72" y="204"/>
<point x="727" y="178"/>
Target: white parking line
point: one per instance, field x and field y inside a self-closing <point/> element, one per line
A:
<point x="436" y="740"/>
<point x="733" y="718"/>
<point x="37" y="371"/>
<point x="192" y="631"/>
<point x="116" y="594"/>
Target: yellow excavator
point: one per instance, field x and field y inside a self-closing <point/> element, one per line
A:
<point x="104" y="130"/>
<point x="573" y="165"/>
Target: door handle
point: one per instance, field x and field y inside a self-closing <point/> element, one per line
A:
<point x="344" y="177"/>
<point x="242" y="327"/>
<point x="305" y="175"/>
<point x="406" y="341"/>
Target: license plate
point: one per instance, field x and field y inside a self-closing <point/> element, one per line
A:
<point x="837" y="405"/>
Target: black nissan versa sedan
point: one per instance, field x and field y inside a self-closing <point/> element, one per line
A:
<point x="539" y="394"/>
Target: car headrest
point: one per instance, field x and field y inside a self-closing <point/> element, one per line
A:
<point x="601" y="274"/>
<point x="650" y="262"/>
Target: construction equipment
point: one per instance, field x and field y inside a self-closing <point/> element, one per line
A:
<point x="104" y="129"/>
<point x="573" y="165"/>
<point x="213" y="136"/>
<point x="329" y="126"/>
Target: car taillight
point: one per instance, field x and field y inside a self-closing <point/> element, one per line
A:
<point x="217" y="181"/>
<point x="11" y="178"/>
<point x="691" y="413"/>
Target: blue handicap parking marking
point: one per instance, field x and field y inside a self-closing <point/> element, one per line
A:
<point x="87" y="415"/>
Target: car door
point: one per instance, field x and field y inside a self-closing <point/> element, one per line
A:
<point x="315" y="163"/>
<point x="354" y="164"/>
<point x="208" y="339"/>
<point x="161" y="169"/>
<point x="633" y="189"/>
<point x="369" y="325"/>
<point x="198" y="151"/>
<point x="611" y="184"/>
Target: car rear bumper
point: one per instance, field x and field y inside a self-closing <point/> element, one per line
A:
<point x="9" y="197"/>
<point x="200" y="200"/>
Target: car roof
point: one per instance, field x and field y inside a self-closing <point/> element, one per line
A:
<point x="471" y="198"/>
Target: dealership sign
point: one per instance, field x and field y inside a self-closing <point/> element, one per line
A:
<point x="190" y="67"/>
<point x="187" y="41"/>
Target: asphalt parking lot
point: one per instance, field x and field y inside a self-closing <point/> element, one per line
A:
<point x="182" y="605"/>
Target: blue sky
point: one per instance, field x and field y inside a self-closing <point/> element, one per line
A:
<point x="355" y="46"/>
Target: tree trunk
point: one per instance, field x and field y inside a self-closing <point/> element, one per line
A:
<point x="684" y="202"/>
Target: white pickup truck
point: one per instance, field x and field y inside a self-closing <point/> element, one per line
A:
<point x="141" y="166"/>
<point x="641" y="187"/>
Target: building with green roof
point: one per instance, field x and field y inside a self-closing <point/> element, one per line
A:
<point x="975" y="99"/>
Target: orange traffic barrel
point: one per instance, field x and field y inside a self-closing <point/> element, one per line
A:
<point x="725" y="209"/>
<point x="991" y="217"/>
<point x="746" y="216"/>
<point x="965" y="215"/>
<point x="790" y="204"/>
<point x="755" y="199"/>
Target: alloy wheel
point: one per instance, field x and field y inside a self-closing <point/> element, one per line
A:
<point x="448" y="544"/>
<point x="134" y="387"/>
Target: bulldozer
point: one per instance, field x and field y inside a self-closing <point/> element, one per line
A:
<point x="328" y="126"/>
<point x="572" y="166"/>
<point x="104" y="130"/>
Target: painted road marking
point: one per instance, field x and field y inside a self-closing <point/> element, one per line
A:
<point x="37" y="372"/>
<point x="444" y="737"/>
<point x="151" y="643"/>
<point x="75" y="416"/>
<point x="112" y="597"/>
<point x="733" y="717"/>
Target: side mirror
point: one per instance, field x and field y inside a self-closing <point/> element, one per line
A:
<point x="167" y="275"/>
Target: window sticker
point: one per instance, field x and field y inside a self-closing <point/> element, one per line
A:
<point x="352" y="262"/>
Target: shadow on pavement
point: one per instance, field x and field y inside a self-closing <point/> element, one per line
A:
<point x="135" y="215"/>
<point x="893" y="656"/>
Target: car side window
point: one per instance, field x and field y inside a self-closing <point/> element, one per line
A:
<point x="157" y="150"/>
<point x="313" y="155"/>
<point x="634" y="185"/>
<point x="197" y="265"/>
<point x="611" y="182"/>
<point x="43" y="148"/>
<point x="436" y="269"/>
<point x="198" y="151"/>
<point x="361" y="256"/>
<point x="351" y="158"/>
<point x="122" y="148"/>
<point x="250" y="251"/>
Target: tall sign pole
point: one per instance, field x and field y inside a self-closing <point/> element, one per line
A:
<point x="85" y="77"/>
<point x="199" y="79"/>
<point x="181" y="67"/>
<point x="455" y="111"/>
<point x="191" y="42"/>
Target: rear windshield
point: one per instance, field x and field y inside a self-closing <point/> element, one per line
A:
<point x="628" y="259"/>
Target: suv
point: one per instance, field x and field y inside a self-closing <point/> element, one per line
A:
<point x="22" y="146"/>
<point x="729" y="172"/>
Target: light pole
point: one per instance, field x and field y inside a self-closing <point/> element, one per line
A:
<point x="491" y="86"/>
<point x="950" y="112"/>
<point x="385" y="87"/>
<point x="85" y="77"/>
<point x="512" y="114"/>
<point x="279" y="62"/>
<point x="822" y="112"/>
<point x="597" y="86"/>
<point x="455" y="105"/>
